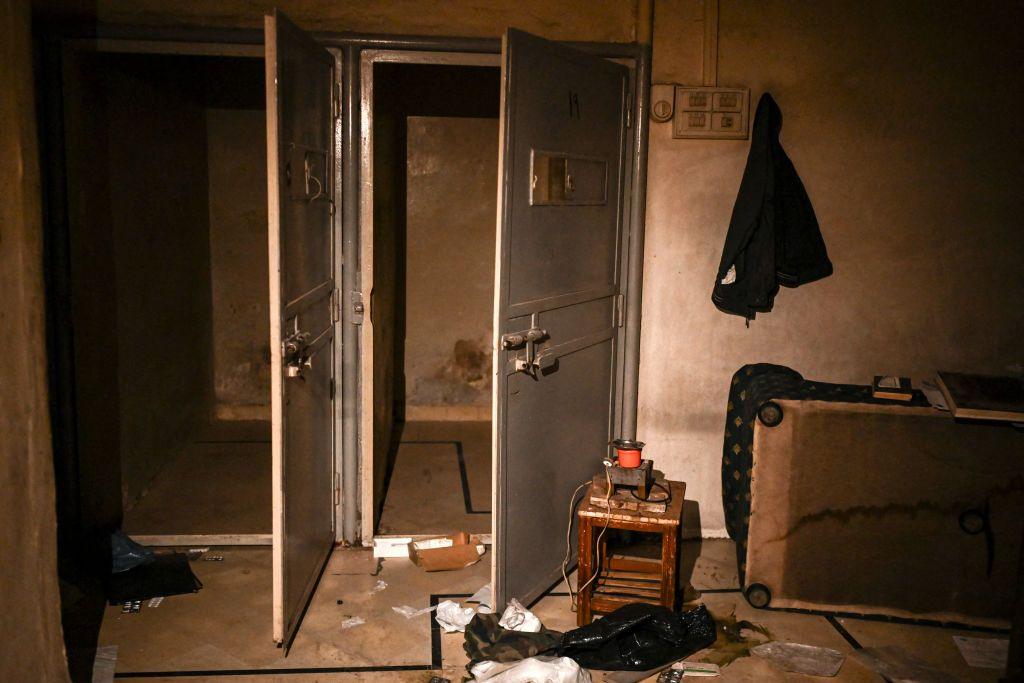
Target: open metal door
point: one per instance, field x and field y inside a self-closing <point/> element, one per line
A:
<point x="557" y="293"/>
<point x="300" y="153"/>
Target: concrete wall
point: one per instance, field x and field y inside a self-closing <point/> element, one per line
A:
<point x="30" y="613"/>
<point x="237" y="162"/>
<point x="451" y="176"/>
<point x="900" y="119"/>
<point x="601" y="20"/>
<point x="160" y="231"/>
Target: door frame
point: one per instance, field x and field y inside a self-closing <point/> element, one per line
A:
<point x="636" y="60"/>
<point x="353" y="243"/>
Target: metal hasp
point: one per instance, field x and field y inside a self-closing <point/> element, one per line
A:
<point x="528" y="338"/>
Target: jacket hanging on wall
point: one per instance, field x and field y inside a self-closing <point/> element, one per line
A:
<point x="773" y="236"/>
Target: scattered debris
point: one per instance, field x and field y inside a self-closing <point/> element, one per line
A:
<point x="438" y="679"/>
<point x="155" y="602"/>
<point x="547" y="669"/>
<point x="340" y="601"/>
<point x="391" y="547"/>
<point x="104" y="665"/>
<point x="801" y="659"/>
<point x="484" y="596"/>
<point x="213" y="558"/>
<point x="379" y="586"/>
<point x="195" y="553"/>
<point x="697" y="669"/>
<point x="410" y="612"/>
<point x="452" y="617"/>
<point x="518" y="618"/>
<point x="731" y="643"/>
<point x="446" y="553"/>
<point x="351" y="622"/>
<point x="983" y="653"/>
<point x="895" y="664"/>
<point x="131" y="606"/>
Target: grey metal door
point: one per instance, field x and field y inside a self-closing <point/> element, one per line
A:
<point x="560" y="245"/>
<point x="300" y="150"/>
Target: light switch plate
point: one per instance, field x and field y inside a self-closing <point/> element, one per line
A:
<point x="711" y="113"/>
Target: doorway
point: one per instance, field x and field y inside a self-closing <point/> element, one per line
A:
<point x="168" y="271"/>
<point x="434" y="168"/>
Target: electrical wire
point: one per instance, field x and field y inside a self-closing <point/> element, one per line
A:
<point x="568" y="539"/>
<point x="666" y="500"/>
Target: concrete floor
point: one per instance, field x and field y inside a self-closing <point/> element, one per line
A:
<point x="226" y="626"/>
<point x="427" y="493"/>
<point x="217" y="484"/>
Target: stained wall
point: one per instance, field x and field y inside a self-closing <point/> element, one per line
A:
<point x="900" y="119"/>
<point x="450" y="203"/>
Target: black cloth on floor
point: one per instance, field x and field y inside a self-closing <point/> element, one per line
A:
<point x="752" y="386"/>
<point x="486" y="640"/>
<point x="167" y="574"/>
<point x="639" y="637"/>
<point x="773" y="236"/>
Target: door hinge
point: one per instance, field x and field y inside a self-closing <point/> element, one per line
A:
<point x="620" y="310"/>
<point x="337" y="489"/>
<point x="332" y="389"/>
<point x="335" y="306"/>
<point x="357" y="308"/>
<point x="629" y="110"/>
<point x="336" y="99"/>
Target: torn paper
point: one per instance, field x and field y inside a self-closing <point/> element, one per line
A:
<point x="484" y="596"/>
<point x="352" y="622"/>
<point x="983" y="653"/>
<point x="410" y="612"/>
<point x="518" y="618"/>
<point x="452" y="617"/>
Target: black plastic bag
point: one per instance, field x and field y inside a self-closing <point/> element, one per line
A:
<point x="126" y="554"/>
<point x="167" y="574"/>
<point x="639" y="637"/>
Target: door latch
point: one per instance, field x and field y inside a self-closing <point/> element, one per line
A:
<point x="528" y="338"/>
<point x="295" y="350"/>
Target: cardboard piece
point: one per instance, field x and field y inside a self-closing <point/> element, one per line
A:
<point x="446" y="553"/>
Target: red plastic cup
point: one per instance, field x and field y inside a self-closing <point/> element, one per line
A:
<point x="628" y="457"/>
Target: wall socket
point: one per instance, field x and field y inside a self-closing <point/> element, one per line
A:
<point x="704" y="112"/>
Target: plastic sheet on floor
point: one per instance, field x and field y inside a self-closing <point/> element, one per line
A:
<point x="531" y="670"/>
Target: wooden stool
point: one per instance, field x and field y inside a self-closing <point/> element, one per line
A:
<point x="625" y="580"/>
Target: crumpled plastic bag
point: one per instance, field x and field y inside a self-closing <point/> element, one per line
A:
<point x="126" y="554"/>
<point x="486" y="640"/>
<point x="453" y="617"/>
<point x="518" y="618"/>
<point x="639" y="637"/>
<point x="810" y="660"/>
<point x="532" y="670"/>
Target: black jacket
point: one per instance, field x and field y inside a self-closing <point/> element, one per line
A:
<point x="773" y="236"/>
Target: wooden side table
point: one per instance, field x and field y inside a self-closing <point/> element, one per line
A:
<point x="625" y="580"/>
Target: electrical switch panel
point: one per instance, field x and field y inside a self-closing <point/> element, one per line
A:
<point x="711" y="113"/>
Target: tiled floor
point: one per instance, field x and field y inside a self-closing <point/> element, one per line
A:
<point x="218" y="484"/>
<point x="441" y="481"/>
<point x="226" y="626"/>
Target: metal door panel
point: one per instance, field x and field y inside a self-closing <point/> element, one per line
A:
<point x="300" y="80"/>
<point x="558" y="269"/>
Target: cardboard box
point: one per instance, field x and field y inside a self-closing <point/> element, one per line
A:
<point x="446" y="553"/>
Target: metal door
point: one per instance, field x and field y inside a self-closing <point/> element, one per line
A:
<point x="557" y="290"/>
<point x="300" y="150"/>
